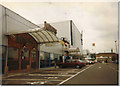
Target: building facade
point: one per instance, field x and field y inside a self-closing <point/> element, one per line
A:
<point x="25" y="45"/>
<point x="107" y="57"/>
<point x="70" y="37"/>
<point x="21" y="40"/>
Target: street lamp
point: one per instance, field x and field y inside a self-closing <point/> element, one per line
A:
<point x="116" y="45"/>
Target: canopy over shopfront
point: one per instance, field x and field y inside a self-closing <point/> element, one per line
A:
<point x="74" y="50"/>
<point x="40" y="35"/>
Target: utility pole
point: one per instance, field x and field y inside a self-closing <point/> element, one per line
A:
<point x="116" y="45"/>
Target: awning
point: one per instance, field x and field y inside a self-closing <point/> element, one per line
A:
<point x="101" y="57"/>
<point x="74" y="50"/>
<point x="40" y="35"/>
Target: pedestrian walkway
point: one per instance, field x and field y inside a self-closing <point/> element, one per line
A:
<point x="23" y="72"/>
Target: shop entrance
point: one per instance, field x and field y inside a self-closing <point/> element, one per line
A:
<point x="24" y="58"/>
<point x="22" y="52"/>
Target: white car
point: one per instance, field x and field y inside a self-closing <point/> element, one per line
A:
<point x="91" y="62"/>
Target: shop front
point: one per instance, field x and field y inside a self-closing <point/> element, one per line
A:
<point x="22" y="52"/>
<point x="21" y="41"/>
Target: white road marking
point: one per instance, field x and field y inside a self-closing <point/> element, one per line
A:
<point x="74" y="75"/>
<point x="100" y="67"/>
<point x="15" y="75"/>
<point x="34" y="79"/>
<point x="47" y="75"/>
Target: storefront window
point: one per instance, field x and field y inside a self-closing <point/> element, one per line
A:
<point x="12" y="53"/>
<point x="52" y="59"/>
<point x="33" y="56"/>
<point x="52" y="56"/>
<point x="25" y="54"/>
<point x="46" y="55"/>
<point x="46" y="63"/>
<point x="3" y="54"/>
<point x="41" y="55"/>
<point x="13" y="61"/>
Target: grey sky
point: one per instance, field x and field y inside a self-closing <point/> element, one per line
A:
<point x="98" y="20"/>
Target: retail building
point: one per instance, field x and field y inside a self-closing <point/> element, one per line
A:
<point x="70" y="38"/>
<point x="25" y="45"/>
<point x="21" y="40"/>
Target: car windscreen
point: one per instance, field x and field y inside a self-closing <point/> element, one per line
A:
<point x="68" y="61"/>
<point x="74" y="61"/>
<point x="82" y="61"/>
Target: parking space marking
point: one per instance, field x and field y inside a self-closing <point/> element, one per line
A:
<point x="67" y="74"/>
<point x="34" y="79"/>
<point x="14" y="75"/>
<point x="47" y="75"/>
<point x="75" y="75"/>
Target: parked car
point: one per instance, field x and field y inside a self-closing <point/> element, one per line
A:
<point x="72" y="63"/>
<point x="83" y="62"/>
<point x="91" y="62"/>
<point x="87" y="61"/>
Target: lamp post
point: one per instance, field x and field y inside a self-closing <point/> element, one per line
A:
<point x="116" y="45"/>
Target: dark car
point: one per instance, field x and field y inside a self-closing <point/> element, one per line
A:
<point x="72" y="63"/>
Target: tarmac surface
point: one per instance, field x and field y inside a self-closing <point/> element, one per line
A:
<point x="97" y="73"/>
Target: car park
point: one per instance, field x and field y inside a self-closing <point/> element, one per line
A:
<point x="75" y="63"/>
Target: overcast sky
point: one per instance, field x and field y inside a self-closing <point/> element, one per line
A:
<point x="97" y="20"/>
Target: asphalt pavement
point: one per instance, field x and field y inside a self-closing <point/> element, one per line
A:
<point x="98" y="74"/>
<point x="94" y="74"/>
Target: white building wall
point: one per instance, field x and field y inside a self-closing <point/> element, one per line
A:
<point x="17" y="23"/>
<point x="0" y="26"/>
<point x="4" y="28"/>
<point x="76" y="37"/>
<point x="13" y="22"/>
<point x="64" y="30"/>
<point x="55" y="48"/>
<point x="0" y="42"/>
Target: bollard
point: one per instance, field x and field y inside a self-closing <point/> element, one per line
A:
<point x="55" y="65"/>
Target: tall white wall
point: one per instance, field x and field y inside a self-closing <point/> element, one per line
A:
<point x="0" y="26"/>
<point x="12" y="22"/>
<point x="63" y="29"/>
<point x="4" y="27"/>
<point x="76" y="37"/>
<point x="17" y="23"/>
<point x="0" y="42"/>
